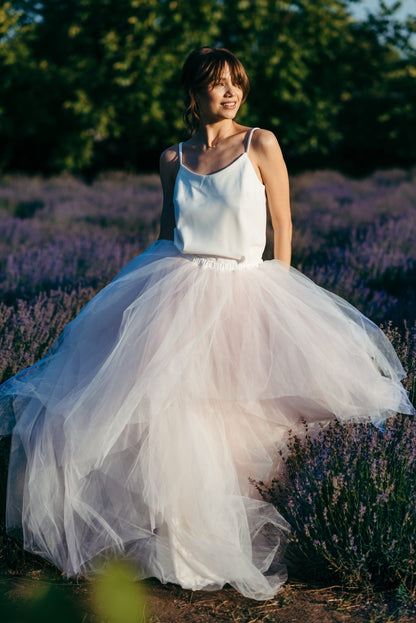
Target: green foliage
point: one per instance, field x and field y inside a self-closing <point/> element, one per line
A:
<point x="102" y="79"/>
<point x="116" y="598"/>
<point x="46" y="604"/>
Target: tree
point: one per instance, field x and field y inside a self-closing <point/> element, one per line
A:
<point x="102" y="78"/>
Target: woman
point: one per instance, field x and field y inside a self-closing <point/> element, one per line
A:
<point x="137" y="434"/>
<point x="214" y="97"/>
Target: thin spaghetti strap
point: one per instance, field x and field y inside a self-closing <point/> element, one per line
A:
<point x="180" y="153"/>
<point x="249" y="138"/>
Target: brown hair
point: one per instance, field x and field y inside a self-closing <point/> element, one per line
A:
<point x="202" y="67"/>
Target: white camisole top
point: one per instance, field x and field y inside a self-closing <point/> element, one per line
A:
<point x="222" y="214"/>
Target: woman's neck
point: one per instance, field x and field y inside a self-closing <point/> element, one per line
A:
<point x="210" y="134"/>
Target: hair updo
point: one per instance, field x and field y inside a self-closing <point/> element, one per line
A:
<point x="202" y="67"/>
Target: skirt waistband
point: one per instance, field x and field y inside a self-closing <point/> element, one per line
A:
<point x="221" y="263"/>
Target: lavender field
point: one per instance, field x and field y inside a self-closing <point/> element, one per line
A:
<point x="61" y="240"/>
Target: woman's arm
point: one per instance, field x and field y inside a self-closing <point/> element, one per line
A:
<point x="169" y="164"/>
<point x="269" y="159"/>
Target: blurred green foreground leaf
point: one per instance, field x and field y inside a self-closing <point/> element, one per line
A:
<point x="115" y="597"/>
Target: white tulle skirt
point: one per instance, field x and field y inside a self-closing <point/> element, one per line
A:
<point x="138" y="432"/>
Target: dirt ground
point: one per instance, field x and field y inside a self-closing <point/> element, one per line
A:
<point x="297" y="602"/>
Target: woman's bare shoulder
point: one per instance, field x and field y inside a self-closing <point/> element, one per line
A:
<point x="265" y="147"/>
<point x="169" y="164"/>
<point x="267" y="155"/>
<point x="264" y="139"/>
<point x="170" y="155"/>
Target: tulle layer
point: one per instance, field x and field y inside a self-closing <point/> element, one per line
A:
<point x="138" y="433"/>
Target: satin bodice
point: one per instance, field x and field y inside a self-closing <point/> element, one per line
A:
<point x="222" y="214"/>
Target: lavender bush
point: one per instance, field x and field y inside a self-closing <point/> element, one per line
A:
<point x="349" y="494"/>
<point x="349" y="491"/>
<point x="27" y="329"/>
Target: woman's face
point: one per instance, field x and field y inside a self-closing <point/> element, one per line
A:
<point x="221" y="100"/>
